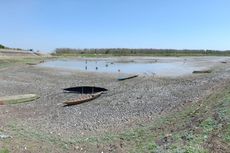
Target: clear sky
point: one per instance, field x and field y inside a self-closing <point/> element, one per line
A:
<point x="48" y="24"/>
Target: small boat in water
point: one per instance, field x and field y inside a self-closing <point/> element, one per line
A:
<point x="202" y="71"/>
<point x="129" y="77"/>
<point x="82" y="99"/>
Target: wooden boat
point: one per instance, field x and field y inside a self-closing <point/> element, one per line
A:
<point x="82" y="99"/>
<point x="129" y="77"/>
<point x="15" y="99"/>
<point x="202" y="71"/>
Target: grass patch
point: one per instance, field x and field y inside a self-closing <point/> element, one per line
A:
<point x="11" y="61"/>
<point x="35" y="139"/>
<point x="4" y="150"/>
<point x="192" y="130"/>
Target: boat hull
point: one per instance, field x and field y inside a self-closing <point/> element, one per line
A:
<point x="82" y="99"/>
<point x="125" y="78"/>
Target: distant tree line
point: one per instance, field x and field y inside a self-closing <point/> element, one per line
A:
<point x="147" y="51"/>
<point x="4" y="47"/>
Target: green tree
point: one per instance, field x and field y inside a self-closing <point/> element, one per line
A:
<point x="2" y="47"/>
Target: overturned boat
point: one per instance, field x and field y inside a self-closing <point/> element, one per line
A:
<point x="15" y="99"/>
<point x="85" y="89"/>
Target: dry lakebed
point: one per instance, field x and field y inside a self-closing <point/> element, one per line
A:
<point x="125" y="105"/>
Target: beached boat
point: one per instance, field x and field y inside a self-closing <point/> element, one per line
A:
<point x="202" y="71"/>
<point x="85" y="89"/>
<point x="129" y="77"/>
<point x="82" y="99"/>
<point x="15" y="99"/>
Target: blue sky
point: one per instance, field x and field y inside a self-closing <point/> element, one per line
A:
<point x="48" y="24"/>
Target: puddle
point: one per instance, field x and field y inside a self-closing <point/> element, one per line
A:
<point x="141" y="67"/>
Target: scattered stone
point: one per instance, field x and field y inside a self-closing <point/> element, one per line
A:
<point x="76" y="148"/>
<point x="4" y="136"/>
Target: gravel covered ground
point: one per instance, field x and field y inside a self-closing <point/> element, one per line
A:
<point x="127" y="104"/>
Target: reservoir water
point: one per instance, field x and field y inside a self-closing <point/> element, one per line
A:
<point x="141" y="67"/>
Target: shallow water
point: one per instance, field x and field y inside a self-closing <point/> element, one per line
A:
<point x="169" y="68"/>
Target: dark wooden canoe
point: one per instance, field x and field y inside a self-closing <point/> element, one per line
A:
<point x="82" y="99"/>
<point x="129" y="77"/>
<point x="202" y="71"/>
<point x="85" y="89"/>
